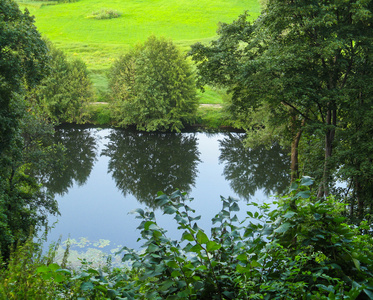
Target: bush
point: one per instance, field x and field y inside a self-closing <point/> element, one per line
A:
<point x="67" y="91"/>
<point x="105" y="13"/>
<point x="301" y="250"/>
<point x="153" y="87"/>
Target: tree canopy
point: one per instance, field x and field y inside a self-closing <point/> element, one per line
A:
<point x="305" y="65"/>
<point x="153" y="87"/>
<point x="23" y="63"/>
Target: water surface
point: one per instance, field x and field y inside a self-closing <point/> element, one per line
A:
<point x="108" y="173"/>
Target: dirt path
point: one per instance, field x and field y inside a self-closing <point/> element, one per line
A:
<point x="201" y="105"/>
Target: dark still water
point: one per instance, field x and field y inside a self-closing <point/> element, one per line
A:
<point x="109" y="172"/>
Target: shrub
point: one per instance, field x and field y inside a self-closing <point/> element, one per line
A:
<point x="66" y="92"/>
<point x="105" y="13"/>
<point x="153" y="87"/>
<point x="301" y="250"/>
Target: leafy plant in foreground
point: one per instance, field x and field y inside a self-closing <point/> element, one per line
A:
<point x="299" y="250"/>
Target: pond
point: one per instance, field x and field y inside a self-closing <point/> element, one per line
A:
<point x="107" y="173"/>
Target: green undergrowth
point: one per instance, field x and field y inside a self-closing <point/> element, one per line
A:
<point x="207" y="117"/>
<point x="212" y="117"/>
<point x="299" y="247"/>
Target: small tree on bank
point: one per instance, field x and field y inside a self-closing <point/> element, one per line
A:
<point x="67" y="90"/>
<point x="153" y="87"/>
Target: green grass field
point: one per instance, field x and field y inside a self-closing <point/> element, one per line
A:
<point x="100" y="42"/>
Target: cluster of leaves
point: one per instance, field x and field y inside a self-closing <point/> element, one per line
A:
<point x="153" y="87"/>
<point x="105" y="13"/>
<point x="23" y="132"/>
<point x="300" y="74"/>
<point x="299" y="250"/>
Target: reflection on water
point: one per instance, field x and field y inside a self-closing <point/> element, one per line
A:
<point x="248" y="170"/>
<point x="80" y="146"/>
<point x="96" y="192"/>
<point x="144" y="163"/>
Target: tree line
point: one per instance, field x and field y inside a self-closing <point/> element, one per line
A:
<point x="300" y="75"/>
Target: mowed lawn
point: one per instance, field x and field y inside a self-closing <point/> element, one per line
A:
<point x="98" y="42"/>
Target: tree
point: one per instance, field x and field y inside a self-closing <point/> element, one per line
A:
<point x="153" y="87"/>
<point x="23" y="57"/>
<point x="306" y="63"/>
<point x="23" y="63"/>
<point x="67" y="90"/>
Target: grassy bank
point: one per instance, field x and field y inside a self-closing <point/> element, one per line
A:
<point x="98" y="42"/>
<point x="210" y="116"/>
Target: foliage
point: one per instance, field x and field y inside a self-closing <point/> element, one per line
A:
<point x="30" y="275"/>
<point x="23" y="133"/>
<point x="23" y="61"/>
<point x="153" y="87"/>
<point x="301" y="250"/>
<point x="99" y="114"/>
<point x="306" y="67"/>
<point x="105" y="13"/>
<point x="212" y="117"/>
<point x="67" y="90"/>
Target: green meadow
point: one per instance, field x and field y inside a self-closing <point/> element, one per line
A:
<point x="98" y="43"/>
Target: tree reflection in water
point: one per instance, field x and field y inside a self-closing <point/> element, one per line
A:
<point x="144" y="163"/>
<point x="77" y="162"/>
<point x="249" y="170"/>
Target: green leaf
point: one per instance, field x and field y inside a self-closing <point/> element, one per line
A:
<point x="172" y="264"/>
<point x="283" y="228"/>
<point x="304" y="194"/>
<point x="196" y="248"/>
<point x="187" y="236"/>
<point x="255" y="264"/>
<point x="139" y="211"/>
<point x="229" y="295"/>
<point x="317" y="216"/>
<point x="42" y="269"/>
<point x="152" y="248"/>
<point x="368" y="293"/>
<point x="87" y="286"/>
<point x="212" y="246"/>
<point x="242" y="270"/>
<point x="289" y="214"/>
<point x="242" y="257"/>
<point x="202" y="237"/>
<point x="306" y="181"/>
<point x="234" y="207"/>
<point x="169" y="209"/>
<point x="356" y="263"/>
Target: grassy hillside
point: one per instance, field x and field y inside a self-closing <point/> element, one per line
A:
<point x="99" y="42"/>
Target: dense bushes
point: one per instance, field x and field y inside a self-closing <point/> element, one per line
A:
<point x="66" y="92"/>
<point x="300" y="250"/>
<point x="152" y="87"/>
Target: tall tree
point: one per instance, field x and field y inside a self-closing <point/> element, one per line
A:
<point x="23" y="63"/>
<point x="303" y="61"/>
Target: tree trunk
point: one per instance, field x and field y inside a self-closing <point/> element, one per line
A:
<point x="331" y="120"/>
<point x="294" y="167"/>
